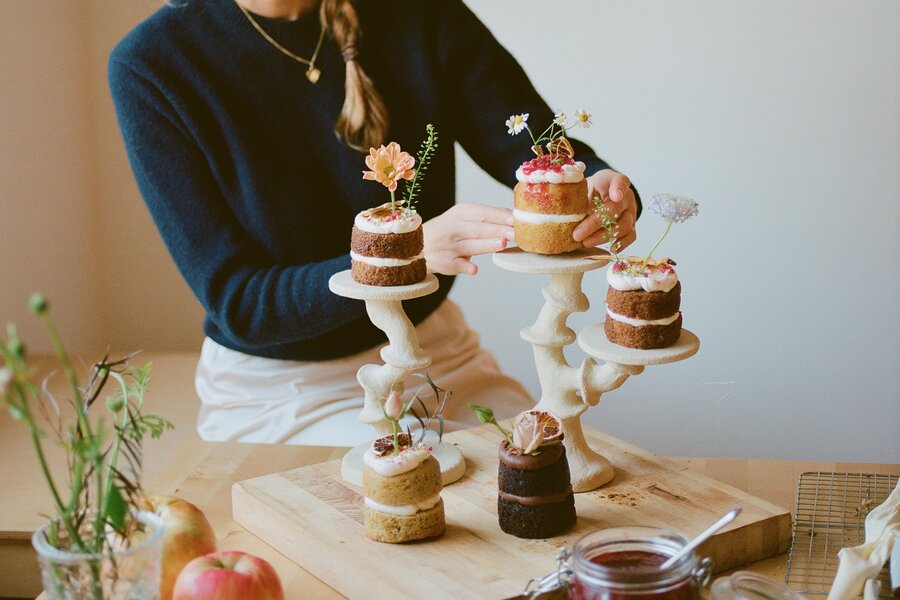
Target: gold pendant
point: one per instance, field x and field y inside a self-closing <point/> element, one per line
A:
<point x="312" y="74"/>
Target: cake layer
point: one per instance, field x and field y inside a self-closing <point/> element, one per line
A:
<point x="644" y="337"/>
<point x="388" y="276"/>
<point x="542" y="521"/>
<point x="638" y="304"/>
<point x="548" y="238"/>
<point x="387" y="245"/>
<point x="393" y="529"/>
<point x="411" y="487"/>
<point x="553" y="198"/>
<point x="551" y="479"/>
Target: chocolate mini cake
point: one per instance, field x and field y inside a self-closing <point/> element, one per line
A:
<point x="402" y="492"/>
<point x="535" y="498"/>
<point x="549" y="200"/>
<point x="386" y="247"/>
<point x="643" y="305"/>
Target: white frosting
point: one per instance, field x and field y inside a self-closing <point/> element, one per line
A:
<point x="395" y="464"/>
<point x="656" y="281"/>
<point x="404" y="224"/>
<point x="641" y="322"/>
<point x="404" y="510"/>
<point x="385" y="262"/>
<point x="541" y="218"/>
<point x="567" y="174"/>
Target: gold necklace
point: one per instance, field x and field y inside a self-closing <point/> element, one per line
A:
<point x="312" y="73"/>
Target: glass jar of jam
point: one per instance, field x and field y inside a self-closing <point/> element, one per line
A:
<point x="624" y="563"/>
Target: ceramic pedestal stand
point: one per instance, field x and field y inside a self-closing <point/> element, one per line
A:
<point x="402" y="356"/>
<point x="569" y="391"/>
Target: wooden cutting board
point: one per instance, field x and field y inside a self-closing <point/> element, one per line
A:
<point x="316" y="519"/>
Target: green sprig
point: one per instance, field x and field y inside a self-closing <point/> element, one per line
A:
<point x="609" y="222"/>
<point x="486" y="415"/>
<point x="426" y="152"/>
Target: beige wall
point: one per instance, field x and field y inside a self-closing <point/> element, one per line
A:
<point x="72" y="224"/>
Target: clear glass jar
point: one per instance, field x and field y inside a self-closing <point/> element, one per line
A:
<point x="132" y="573"/>
<point x="744" y="585"/>
<point x="623" y="563"/>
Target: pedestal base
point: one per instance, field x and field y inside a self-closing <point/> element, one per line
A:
<point x="453" y="465"/>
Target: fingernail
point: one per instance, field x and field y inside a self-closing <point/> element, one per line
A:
<point x="500" y="244"/>
<point x="618" y="193"/>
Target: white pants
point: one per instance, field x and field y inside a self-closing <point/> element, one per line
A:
<point x="252" y="399"/>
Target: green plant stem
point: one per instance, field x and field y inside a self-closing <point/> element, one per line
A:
<point x="395" y="426"/>
<point x="393" y="208"/>
<point x="661" y="238"/>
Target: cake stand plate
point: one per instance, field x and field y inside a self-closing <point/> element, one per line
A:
<point x="343" y="284"/>
<point x="519" y="261"/>
<point x="316" y="519"/>
<point x="593" y="340"/>
<point x="453" y="465"/>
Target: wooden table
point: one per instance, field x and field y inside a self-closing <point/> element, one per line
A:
<point x="203" y="473"/>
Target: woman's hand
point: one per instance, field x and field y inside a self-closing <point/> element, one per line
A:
<point x="464" y="231"/>
<point x="615" y="190"/>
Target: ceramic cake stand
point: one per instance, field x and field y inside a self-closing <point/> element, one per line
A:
<point x="402" y="356"/>
<point x="568" y="391"/>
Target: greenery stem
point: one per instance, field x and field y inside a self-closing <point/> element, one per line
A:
<point x="395" y="427"/>
<point x="393" y="207"/>
<point x="661" y="238"/>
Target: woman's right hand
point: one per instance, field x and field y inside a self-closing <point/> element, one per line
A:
<point x="463" y="231"/>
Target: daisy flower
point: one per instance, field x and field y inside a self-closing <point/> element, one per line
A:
<point x="389" y="165"/>
<point x="516" y="123"/>
<point x="583" y="118"/>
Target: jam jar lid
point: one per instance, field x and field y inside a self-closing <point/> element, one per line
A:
<point x="630" y="557"/>
<point x="744" y="585"/>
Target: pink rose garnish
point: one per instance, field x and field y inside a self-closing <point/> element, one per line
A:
<point x="528" y="433"/>
<point x="393" y="406"/>
<point x="389" y="165"/>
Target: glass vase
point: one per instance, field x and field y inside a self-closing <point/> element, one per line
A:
<point x="129" y="573"/>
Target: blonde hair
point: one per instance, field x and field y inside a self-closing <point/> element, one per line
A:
<point x="363" y="122"/>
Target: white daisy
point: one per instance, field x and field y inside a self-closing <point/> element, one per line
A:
<point x="516" y="123"/>
<point x="559" y="119"/>
<point x="583" y="118"/>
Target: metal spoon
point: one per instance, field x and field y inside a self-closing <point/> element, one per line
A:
<point x="722" y="522"/>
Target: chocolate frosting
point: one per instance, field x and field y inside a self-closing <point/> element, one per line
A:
<point x="528" y="462"/>
<point x="537" y="500"/>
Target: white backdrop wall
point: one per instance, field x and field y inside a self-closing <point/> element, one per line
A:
<point x="780" y="118"/>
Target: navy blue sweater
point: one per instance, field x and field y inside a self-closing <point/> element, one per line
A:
<point x="235" y="156"/>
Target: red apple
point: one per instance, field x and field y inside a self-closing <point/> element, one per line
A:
<point x="187" y="535"/>
<point x="228" y="575"/>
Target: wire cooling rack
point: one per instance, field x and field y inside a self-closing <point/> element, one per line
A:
<point x="831" y="514"/>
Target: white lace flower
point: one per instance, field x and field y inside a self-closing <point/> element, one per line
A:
<point x="583" y="118"/>
<point x="559" y="119"/>
<point x="516" y="123"/>
<point x="673" y="207"/>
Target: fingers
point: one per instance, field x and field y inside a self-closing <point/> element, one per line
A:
<point x="479" y="213"/>
<point x="619" y="187"/>
<point x="483" y="231"/>
<point x="590" y="232"/>
<point x="609" y="185"/>
<point x="476" y="247"/>
<point x="462" y="266"/>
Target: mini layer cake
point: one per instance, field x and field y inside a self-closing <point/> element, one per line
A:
<point x="535" y="497"/>
<point x="386" y="247"/>
<point x="549" y="200"/>
<point x="402" y="492"/>
<point x="643" y="307"/>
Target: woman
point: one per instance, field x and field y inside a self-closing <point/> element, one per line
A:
<point x="245" y="125"/>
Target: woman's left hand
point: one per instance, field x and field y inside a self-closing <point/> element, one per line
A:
<point x="615" y="191"/>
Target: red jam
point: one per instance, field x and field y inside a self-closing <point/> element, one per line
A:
<point x="634" y="575"/>
<point x="546" y="162"/>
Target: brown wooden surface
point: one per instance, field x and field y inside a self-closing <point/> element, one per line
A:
<point x="204" y="473"/>
<point x="315" y="518"/>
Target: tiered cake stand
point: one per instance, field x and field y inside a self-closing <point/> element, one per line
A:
<point x="568" y="391"/>
<point x="402" y="356"/>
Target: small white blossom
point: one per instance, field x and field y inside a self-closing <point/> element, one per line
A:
<point x="5" y="378"/>
<point x="673" y="207"/>
<point x="559" y="119"/>
<point x="516" y="123"/>
<point x="583" y="118"/>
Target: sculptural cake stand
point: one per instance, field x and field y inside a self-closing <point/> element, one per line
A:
<point x="568" y="391"/>
<point x="402" y="356"/>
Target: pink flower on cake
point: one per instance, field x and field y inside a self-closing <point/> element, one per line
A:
<point x="389" y="165"/>
<point x="393" y="406"/>
<point x="527" y="433"/>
